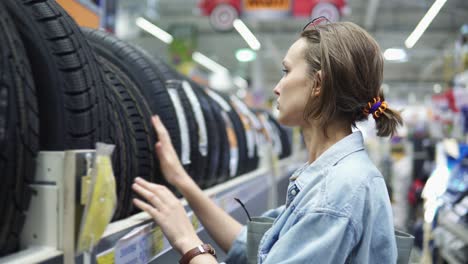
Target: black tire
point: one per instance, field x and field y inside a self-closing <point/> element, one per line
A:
<point x="19" y="133"/>
<point x="198" y="162"/>
<point x="137" y="145"/>
<point x="243" y="165"/>
<point x="214" y="138"/>
<point x="246" y="116"/>
<point x="225" y="170"/>
<point x="65" y="71"/>
<point x="286" y="140"/>
<point x="117" y="136"/>
<point x="143" y="72"/>
<point x="197" y="165"/>
<point x="283" y="136"/>
<point x="255" y="161"/>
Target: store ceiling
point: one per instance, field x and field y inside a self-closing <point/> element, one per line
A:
<point x="389" y="21"/>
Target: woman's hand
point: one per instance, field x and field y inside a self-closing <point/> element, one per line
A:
<point x="170" y="163"/>
<point x="168" y="213"/>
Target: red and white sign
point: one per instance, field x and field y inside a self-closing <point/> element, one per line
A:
<point x="222" y="13"/>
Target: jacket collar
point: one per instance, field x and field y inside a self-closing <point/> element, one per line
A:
<point x="346" y="146"/>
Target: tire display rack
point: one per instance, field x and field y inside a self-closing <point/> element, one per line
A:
<point x="445" y="220"/>
<point x="49" y="232"/>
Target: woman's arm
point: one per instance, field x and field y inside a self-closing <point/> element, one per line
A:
<point x="220" y="225"/>
<point x="168" y="212"/>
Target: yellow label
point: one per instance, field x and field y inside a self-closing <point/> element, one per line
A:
<point x="100" y="206"/>
<point x="195" y="222"/>
<point x="106" y="258"/>
<point x="266" y="4"/>
<point x="158" y="240"/>
<point x="275" y="164"/>
<point x="85" y="185"/>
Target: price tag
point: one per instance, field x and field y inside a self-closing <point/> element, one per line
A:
<point x="135" y="247"/>
<point x="158" y="241"/>
<point x="195" y="222"/>
<point x="106" y="257"/>
<point x="275" y="164"/>
<point x="85" y="186"/>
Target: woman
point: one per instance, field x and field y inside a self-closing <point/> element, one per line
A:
<point x="337" y="208"/>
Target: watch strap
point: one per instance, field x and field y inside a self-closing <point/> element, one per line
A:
<point x="201" y="249"/>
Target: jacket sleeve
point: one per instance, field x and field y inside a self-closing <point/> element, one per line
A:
<point x="318" y="237"/>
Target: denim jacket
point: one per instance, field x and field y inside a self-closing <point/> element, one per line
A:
<point x="337" y="211"/>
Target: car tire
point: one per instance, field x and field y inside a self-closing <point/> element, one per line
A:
<point x="136" y="149"/>
<point x="66" y="75"/>
<point x="223" y="172"/>
<point x="283" y="138"/>
<point x="214" y="145"/>
<point x="196" y="167"/>
<point x="19" y="133"/>
<point x="243" y="165"/>
<point x="142" y="71"/>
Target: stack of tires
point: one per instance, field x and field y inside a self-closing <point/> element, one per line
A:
<point x="272" y="132"/>
<point x="63" y="87"/>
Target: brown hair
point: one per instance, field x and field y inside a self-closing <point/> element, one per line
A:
<point x="351" y="66"/>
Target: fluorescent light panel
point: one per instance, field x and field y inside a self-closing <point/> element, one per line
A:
<point x="240" y="82"/>
<point x="154" y="30"/>
<point x="246" y="34"/>
<point x="395" y="54"/>
<point x="424" y="23"/>
<point x="207" y="62"/>
<point x="245" y="55"/>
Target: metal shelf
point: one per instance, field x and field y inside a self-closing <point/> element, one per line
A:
<point x="456" y="229"/>
<point x="255" y="189"/>
<point x="34" y="254"/>
<point x="48" y="236"/>
<point x="449" y="257"/>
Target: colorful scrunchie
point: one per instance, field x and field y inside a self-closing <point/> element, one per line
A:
<point x="375" y="107"/>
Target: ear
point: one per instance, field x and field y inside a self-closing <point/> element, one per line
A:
<point x="317" y="83"/>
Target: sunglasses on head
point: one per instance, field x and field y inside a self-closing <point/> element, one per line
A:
<point x="321" y="20"/>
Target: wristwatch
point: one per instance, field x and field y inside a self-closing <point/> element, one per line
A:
<point x="201" y="249"/>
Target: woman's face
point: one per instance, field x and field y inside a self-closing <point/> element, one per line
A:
<point x="293" y="89"/>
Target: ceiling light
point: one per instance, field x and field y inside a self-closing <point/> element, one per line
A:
<point x="240" y="82"/>
<point x="246" y="34"/>
<point x="424" y="23"/>
<point x="154" y="30"/>
<point x="208" y="63"/>
<point x="395" y="54"/>
<point x="245" y="55"/>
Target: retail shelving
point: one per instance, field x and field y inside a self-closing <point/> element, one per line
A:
<point x="455" y="228"/>
<point x="48" y="236"/>
<point x="449" y="257"/>
<point x="447" y="221"/>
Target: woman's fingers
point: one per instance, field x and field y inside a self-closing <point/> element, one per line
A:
<point x="147" y="208"/>
<point x="146" y="184"/>
<point x="160" y="190"/>
<point x="161" y="130"/>
<point x="150" y="196"/>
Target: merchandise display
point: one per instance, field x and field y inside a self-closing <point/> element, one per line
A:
<point x="82" y="80"/>
<point x="19" y="132"/>
<point x="107" y="90"/>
